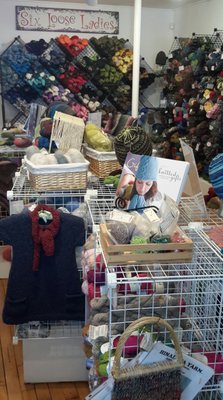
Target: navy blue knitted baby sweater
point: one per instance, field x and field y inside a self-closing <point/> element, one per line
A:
<point x="54" y="291"/>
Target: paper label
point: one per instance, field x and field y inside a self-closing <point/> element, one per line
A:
<point x="95" y="118"/>
<point x="193" y="86"/>
<point x="103" y="290"/>
<point x="181" y="68"/>
<point x="134" y="286"/>
<point x="151" y="215"/>
<point x="168" y="221"/>
<point x="212" y="68"/>
<point x="197" y="146"/>
<point x="20" y="182"/>
<point x="170" y="55"/>
<point x="16" y="206"/>
<point x="210" y="86"/>
<point x="121" y="216"/>
<point x="147" y="342"/>
<point x="97" y="331"/>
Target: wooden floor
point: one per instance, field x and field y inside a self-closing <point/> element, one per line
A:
<point x="12" y="386"/>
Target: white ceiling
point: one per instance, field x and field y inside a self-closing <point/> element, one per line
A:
<point x="145" y="3"/>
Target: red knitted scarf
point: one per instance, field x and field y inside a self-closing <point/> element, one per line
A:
<point x="43" y="235"/>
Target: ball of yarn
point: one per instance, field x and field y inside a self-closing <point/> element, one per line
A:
<point x="216" y="174"/>
<point x="22" y="142"/>
<point x="119" y="231"/>
<point x="133" y="139"/>
<point x="7" y="253"/>
<point x="72" y="205"/>
<point x="46" y="127"/>
<point x="38" y="159"/>
<point x="59" y="106"/>
<point x="61" y="159"/>
<point x="68" y="158"/>
<point x="43" y="142"/>
<point x="75" y="155"/>
<point x="51" y="159"/>
<point x="31" y="150"/>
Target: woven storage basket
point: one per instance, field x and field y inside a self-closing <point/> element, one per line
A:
<point x="156" y="381"/>
<point x="101" y="163"/>
<point x="58" y="176"/>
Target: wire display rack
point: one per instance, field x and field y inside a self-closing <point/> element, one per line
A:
<point x="22" y="194"/>
<point x="190" y="211"/>
<point x="189" y="296"/>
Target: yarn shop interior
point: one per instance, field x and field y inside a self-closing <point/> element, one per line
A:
<point x="111" y="200"/>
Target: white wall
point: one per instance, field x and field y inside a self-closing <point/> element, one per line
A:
<point x="156" y="32"/>
<point x="201" y="17"/>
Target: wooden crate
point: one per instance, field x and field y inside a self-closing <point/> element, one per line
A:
<point x="150" y="253"/>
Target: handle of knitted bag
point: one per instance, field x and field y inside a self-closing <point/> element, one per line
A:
<point x="138" y="324"/>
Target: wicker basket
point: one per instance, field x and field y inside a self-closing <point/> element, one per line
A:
<point x="58" y="176"/>
<point x="101" y="163"/>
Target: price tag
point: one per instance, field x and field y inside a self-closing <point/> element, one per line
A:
<point x="212" y="68"/>
<point x="197" y="146"/>
<point x="97" y="331"/>
<point x="211" y="127"/>
<point x="95" y="118"/>
<point x="206" y="68"/>
<point x="170" y="55"/>
<point x="193" y="86"/>
<point x="210" y="86"/>
<point x="20" y="181"/>
<point x="134" y="286"/>
<point x="151" y="215"/>
<point x="16" y="206"/>
<point x="181" y="67"/>
<point x="121" y="216"/>
<point x="103" y="290"/>
<point x="201" y="107"/>
<point x="147" y="342"/>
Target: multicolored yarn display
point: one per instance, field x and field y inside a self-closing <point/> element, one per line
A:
<point x="216" y="174"/>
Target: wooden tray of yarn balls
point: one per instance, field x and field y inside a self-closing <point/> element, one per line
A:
<point x="127" y="254"/>
<point x="101" y="163"/>
<point x="58" y="176"/>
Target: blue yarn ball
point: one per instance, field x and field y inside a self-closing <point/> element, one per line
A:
<point x="72" y="205"/>
<point x="216" y="174"/>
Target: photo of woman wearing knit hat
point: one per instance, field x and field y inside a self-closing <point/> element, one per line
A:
<point x="145" y="189"/>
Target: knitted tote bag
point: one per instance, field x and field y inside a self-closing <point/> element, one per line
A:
<point x="155" y="381"/>
<point x="134" y="139"/>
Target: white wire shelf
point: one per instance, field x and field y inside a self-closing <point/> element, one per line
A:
<point x="191" y="212"/>
<point x="47" y="330"/>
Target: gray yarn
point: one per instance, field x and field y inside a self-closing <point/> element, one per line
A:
<point x="61" y="159"/>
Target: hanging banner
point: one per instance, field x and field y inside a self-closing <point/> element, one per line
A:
<point x="66" y="20"/>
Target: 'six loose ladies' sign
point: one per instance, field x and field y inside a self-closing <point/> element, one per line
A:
<point x="68" y="20"/>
